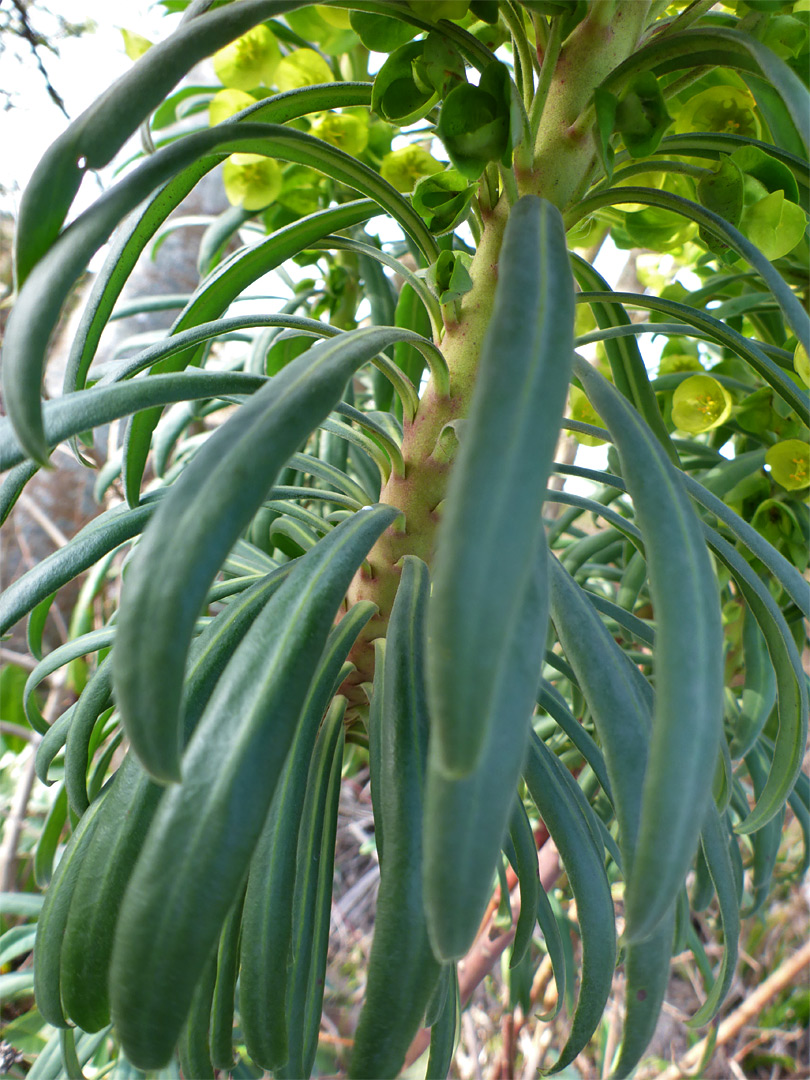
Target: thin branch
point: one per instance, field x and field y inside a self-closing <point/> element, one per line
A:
<point x="30" y="35"/>
<point x="486" y="949"/>
<point x="18" y="811"/>
<point x="750" y="1008"/>
<point x="49" y="527"/>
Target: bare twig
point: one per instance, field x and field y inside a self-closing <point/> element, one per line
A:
<point x="23" y="660"/>
<point x="52" y="530"/>
<point x="18" y="731"/>
<point x="19" y="806"/>
<point x="486" y="949"/>
<point x="15" y="821"/>
<point x="750" y="1008"/>
<point x="30" y="35"/>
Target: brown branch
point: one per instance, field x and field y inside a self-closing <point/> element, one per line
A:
<point x="750" y="1008"/>
<point x="486" y="949"/>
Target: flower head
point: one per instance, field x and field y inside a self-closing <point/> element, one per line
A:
<point x="249" y="61"/>
<point x="699" y="404"/>
<point x="790" y="463"/>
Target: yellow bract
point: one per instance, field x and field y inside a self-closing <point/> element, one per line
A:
<point x="227" y="103"/>
<point x="135" y="45"/>
<point x="726" y="109"/>
<point x="251" y="180"/>
<point x="249" y="61"/>
<point x="675" y="362"/>
<point x="801" y="362"/>
<point x="402" y="168"/>
<point x="699" y="404"/>
<point x="582" y="410"/>
<point x="343" y="130"/>
<point x="774" y="224"/>
<point x="789" y="462"/>
<point x="304" y="67"/>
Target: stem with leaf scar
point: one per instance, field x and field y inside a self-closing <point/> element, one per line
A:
<point x="563" y="157"/>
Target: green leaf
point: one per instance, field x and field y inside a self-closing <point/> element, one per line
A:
<point x="465" y="819"/>
<point x="102" y="535"/>
<point x="791" y="308"/>
<point x="73" y="414"/>
<point x="312" y="900"/>
<point x="128" y="812"/>
<point x="791" y="687"/>
<point x="209" y="510"/>
<point x="478" y="123"/>
<point x="526" y="869"/>
<point x="213" y="298"/>
<point x="585" y="868"/>
<point x="232" y="764"/>
<point x="715" y="841"/>
<point x="444" y="200"/>
<point x="449" y="276"/>
<point x="491" y="528"/>
<point x="646" y="966"/>
<point x="641" y="115"/>
<point x="379" y="33"/>
<point x="397" y="97"/>
<point x="619" y="711"/>
<point x="134" y="235"/>
<point x="688" y="710"/>
<point x="267" y="922"/>
<point x="393" y="1009"/>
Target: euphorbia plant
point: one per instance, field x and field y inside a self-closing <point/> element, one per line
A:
<point x="365" y="548"/>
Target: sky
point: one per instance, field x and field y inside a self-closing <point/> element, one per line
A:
<point x="85" y="67"/>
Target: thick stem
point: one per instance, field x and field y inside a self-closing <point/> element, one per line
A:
<point x="564" y="151"/>
<point x="561" y="163"/>
<point x="421" y="489"/>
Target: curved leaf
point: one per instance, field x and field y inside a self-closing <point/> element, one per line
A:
<point x="232" y="764"/>
<point x="687" y="719"/>
<point x="207" y="509"/>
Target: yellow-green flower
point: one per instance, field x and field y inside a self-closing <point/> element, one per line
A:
<point x="249" y="61"/>
<point x="727" y="109"/>
<point x="228" y="103"/>
<point x="402" y="168"/>
<point x="135" y="45"/>
<point x="337" y="17"/>
<point x="582" y="410"/>
<point x="801" y="362"/>
<point x="699" y="404"/>
<point x="675" y="362"/>
<point x="304" y="67"/>
<point x="343" y="130"/>
<point x="251" y="180"/>
<point x="440" y="9"/>
<point x="774" y="224"/>
<point x="789" y="462"/>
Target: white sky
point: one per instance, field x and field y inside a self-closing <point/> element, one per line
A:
<point x="85" y="67"/>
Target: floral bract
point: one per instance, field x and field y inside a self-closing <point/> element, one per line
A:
<point x="699" y="404"/>
<point x="801" y="363"/>
<point x="251" y="180"/>
<point x="343" y="130"/>
<point x="228" y="103"/>
<point x="249" y="61"/>
<point x="720" y="108"/>
<point x="789" y="462"/>
<point x="402" y="168"/>
<point x="304" y="67"/>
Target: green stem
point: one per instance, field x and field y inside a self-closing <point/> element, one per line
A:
<point x="509" y="184"/>
<point x="550" y="57"/>
<point x="564" y="153"/>
<point x="521" y="45"/>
